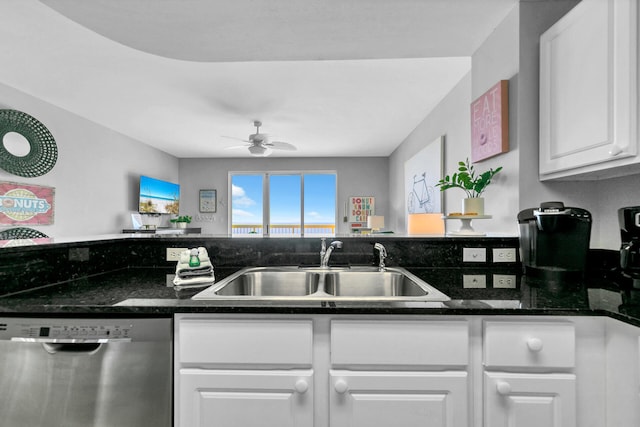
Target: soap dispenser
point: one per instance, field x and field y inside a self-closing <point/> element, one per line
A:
<point x="194" y="260"/>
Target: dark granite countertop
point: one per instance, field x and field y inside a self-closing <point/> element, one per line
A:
<point x="144" y="291"/>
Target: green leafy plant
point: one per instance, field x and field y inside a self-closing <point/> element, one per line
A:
<point x="466" y="179"/>
<point x="183" y="218"/>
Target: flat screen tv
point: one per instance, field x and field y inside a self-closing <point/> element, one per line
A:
<point x="158" y="197"/>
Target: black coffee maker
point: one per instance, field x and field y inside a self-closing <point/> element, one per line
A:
<point x="554" y="241"/>
<point x="629" y="220"/>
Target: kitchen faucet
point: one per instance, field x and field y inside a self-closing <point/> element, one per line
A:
<point x="325" y="253"/>
<point x="323" y="249"/>
<point x="382" y="254"/>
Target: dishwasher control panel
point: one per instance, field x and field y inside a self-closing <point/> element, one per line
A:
<point x="64" y="329"/>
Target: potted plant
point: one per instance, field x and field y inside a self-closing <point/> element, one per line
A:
<point x="473" y="184"/>
<point x="181" y="221"/>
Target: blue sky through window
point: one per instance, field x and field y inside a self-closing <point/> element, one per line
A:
<point x="284" y="193"/>
<point x="319" y="199"/>
<point x="246" y="193"/>
<point x="319" y="202"/>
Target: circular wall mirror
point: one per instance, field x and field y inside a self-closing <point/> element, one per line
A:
<point x="16" y="144"/>
<point x="27" y="147"/>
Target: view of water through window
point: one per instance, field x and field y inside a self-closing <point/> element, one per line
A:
<point x="285" y="209"/>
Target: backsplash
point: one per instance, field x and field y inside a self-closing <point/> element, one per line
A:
<point x="34" y="266"/>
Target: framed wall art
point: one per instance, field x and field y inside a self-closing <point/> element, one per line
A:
<point x="490" y="122"/>
<point x="421" y="174"/>
<point x="208" y="201"/>
<point x="26" y="204"/>
<point x="360" y="207"/>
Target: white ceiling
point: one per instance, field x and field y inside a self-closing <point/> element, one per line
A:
<point x="333" y="77"/>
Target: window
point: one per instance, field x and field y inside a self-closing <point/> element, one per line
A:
<point x="283" y="204"/>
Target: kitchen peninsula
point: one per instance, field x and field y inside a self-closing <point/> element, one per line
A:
<point x="594" y="323"/>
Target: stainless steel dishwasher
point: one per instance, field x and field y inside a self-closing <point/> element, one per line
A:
<point x="85" y="372"/>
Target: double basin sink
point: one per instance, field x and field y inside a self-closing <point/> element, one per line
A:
<point x="333" y="283"/>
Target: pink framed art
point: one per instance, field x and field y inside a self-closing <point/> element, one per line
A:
<point x="490" y="122"/>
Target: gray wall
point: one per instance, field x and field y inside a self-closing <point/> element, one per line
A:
<point x="496" y="59"/>
<point x="367" y="176"/>
<point x="451" y="119"/>
<point x="97" y="174"/>
<point x="512" y="53"/>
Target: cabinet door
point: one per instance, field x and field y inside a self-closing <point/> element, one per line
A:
<point x="530" y="400"/>
<point x="410" y="399"/>
<point x="245" y="398"/>
<point x="588" y="89"/>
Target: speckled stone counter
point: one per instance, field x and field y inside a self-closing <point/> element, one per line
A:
<point x="128" y="277"/>
<point x="143" y="291"/>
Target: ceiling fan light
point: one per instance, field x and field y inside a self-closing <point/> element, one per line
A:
<point x="259" y="150"/>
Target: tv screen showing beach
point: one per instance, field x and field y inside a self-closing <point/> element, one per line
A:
<point x="157" y="196"/>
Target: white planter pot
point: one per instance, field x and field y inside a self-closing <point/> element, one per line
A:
<point x="473" y="205"/>
<point x="182" y="224"/>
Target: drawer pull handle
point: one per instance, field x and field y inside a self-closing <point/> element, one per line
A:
<point x="302" y="386"/>
<point x="534" y="344"/>
<point x="341" y="386"/>
<point x="503" y="387"/>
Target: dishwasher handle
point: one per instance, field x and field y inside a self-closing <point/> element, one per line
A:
<point x="75" y="348"/>
<point x="70" y="345"/>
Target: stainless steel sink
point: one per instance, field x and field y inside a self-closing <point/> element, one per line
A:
<point x="268" y="283"/>
<point x="313" y="283"/>
<point x="372" y="284"/>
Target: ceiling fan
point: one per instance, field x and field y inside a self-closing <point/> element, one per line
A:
<point x="259" y="144"/>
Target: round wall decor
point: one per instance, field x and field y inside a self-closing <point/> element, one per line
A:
<point x="43" y="151"/>
<point x="21" y="233"/>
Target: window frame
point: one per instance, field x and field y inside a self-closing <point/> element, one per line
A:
<point x="266" y="217"/>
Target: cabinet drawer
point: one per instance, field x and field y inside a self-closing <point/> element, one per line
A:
<point x="236" y="342"/>
<point x="529" y="344"/>
<point x="412" y="343"/>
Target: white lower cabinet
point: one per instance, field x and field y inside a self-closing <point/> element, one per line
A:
<point x="411" y="399"/>
<point x="231" y="398"/>
<point x="542" y="390"/>
<point x="249" y="372"/>
<point x="623" y="374"/>
<point x="300" y="372"/>
<point x="403" y="370"/>
<point x="530" y="400"/>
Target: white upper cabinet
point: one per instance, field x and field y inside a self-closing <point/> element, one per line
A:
<point x="589" y="92"/>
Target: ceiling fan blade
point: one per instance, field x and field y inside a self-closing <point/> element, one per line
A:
<point x="279" y="145"/>
<point x="235" y="147"/>
<point x="235" y="137"/>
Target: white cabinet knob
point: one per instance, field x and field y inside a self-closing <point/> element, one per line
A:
<point x="341" y="386"/>
<point x="503" y="387"/>
<point x="302" y="386"/>
<point x="534" y="344"/>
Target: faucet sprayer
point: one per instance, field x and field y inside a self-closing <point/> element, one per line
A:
<point x="323" y="249"/>
<point x="382" y="254"/>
